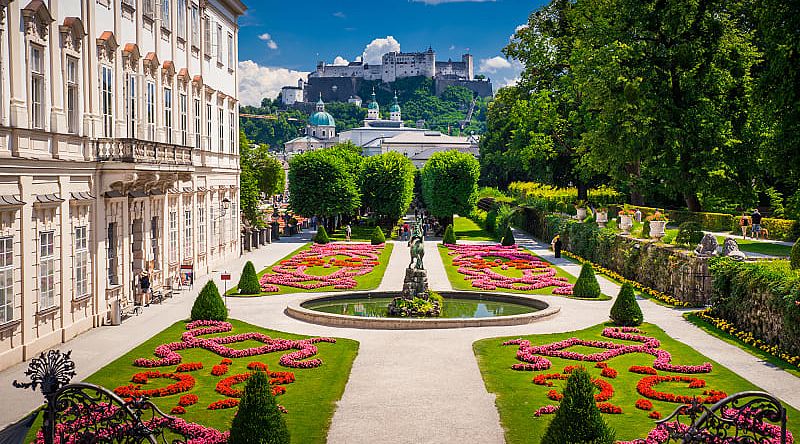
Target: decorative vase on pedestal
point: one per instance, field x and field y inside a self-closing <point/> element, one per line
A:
<point x="625" y="224"/>
<point x="581" y="214"/>
<point x="601" y="217"/>
<point x="657" y="229"/>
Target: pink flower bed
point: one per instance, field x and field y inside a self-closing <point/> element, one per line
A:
<point x="532" y="356"/>
<point x="473" y="261"/>
<point x="168" y="353"/>
<point x="359" y="259"/>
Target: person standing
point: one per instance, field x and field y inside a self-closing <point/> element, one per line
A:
<point x="557" y="244"/>
<point x="743" y="224"/>
<point x="637" y="216"/>
<point x="144" y="283"/>
<point x="756" y="218"/>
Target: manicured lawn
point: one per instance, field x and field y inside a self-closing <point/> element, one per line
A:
<point x="458" y="281"/>
<point x="754" y="246"/>
<point x="358" y="234"/>
<point x="467" y="229"/>
<point x="310" y="400"/>
<point x="518" y="397"/>
<point x="369" y="281"/>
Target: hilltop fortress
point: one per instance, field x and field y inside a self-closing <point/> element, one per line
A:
<point x="342" y="82"/>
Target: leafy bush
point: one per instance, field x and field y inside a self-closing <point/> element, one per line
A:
<point x="449" y="236"/>
<point x="508" y="238"/>
<point x="209" y="305"/>
<point x="258" y="420"/>
<point x="248" y="282"/>
<point x="586" y="286"/>
<point x="322" y="236"/>
<point x="578" y="420"/>
<point x="491" y="221"/>
<point x="689" y="233"/>
<point x="626" y="311"/>
<point x="434" y="296"/>
<point x="559" y="199"/>
<point x="450" y="183"/>
<point x="377" y="237"/>
<point x="645" y="229"/>
<point x="794" y="258"/>
<point x="707" y="221"/>
<point x="505" y="217"/>
<point x="386" y="182"/>
<point x="779" y="229"/>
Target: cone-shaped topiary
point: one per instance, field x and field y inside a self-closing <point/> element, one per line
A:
<point x="491" y="221"/>
<point x="578" y="420"/>
<point x="508" y="238"/>
<point x="248" y="282"/>
<point x="322" y="236"/>
<point x="626" y="311"/>
<point x="377" y="236"/>
<point x="794" y="258"/>
<point x="586" y="286"/>
<point x="258" y="420"/>
<point x="449" y="235"/>
<point x="209" y="306"/>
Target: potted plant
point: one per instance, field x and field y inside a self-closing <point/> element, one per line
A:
<point x="658" y="223"/>
<point x="601" y="216"/>
<point x="580" y="208"/>
<point x="626" y="219"/>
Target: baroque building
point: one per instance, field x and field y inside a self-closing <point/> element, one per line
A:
<point x="119" y="154"/>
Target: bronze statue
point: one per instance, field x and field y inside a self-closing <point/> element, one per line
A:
<point x="417" y="244"/>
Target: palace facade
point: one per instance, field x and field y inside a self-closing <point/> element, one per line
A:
<point x="119" y="154"/>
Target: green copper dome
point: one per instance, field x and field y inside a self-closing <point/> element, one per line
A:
<point x="321" y="119"/>
<point x="373" y="105"/>
<point x="395" y="108"/>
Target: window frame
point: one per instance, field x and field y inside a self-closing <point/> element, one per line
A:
<point x="37" y="84"/>
<point x="184" y="112"/>
<point x="46" y="276"/>
<point x="107" y="100"/>
<point x="168" y="114"/>
<point x="7" y="295"/>
<point x="188" y="232"/>
<point x="198" y="126"/>
<point x="72" y="104"/>
<point x="112" y="256"/>
<point x="173" y="236"/>
<point x="151" y="110"/>
<point x="81" y="265"/>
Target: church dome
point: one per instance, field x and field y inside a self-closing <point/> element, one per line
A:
<point x="373" y="105"/>
<point x="395" y="108"/>
<point x="321" y="118"/>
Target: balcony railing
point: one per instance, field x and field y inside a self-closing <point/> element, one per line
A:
<point x="142" y="151"/>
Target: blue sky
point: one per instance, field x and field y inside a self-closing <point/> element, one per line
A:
<point x="280" y="41"/>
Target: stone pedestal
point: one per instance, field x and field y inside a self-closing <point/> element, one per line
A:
<point x="415" y="286"/>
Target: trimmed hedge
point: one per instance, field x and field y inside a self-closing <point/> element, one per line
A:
<point x="258" y="420"/>
<point x="209" y="305"/>
<point x="377" y="237"/>
<point x="322" y="236"/>
<point x="578" y="419"/>
<point x="779" y="229"/>
<point x="449" y="236"/>
<point x="248" y="282"/>
<point x="625" y="311"/>
<point x="586" y="286"/>
<point x="508" y="238"/>
<point x="540" y="224"/>
<point x="689" y="234"/>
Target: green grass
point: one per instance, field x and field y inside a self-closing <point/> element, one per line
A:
<point x="369" y="281"/>
<point x="517" y="397"/>
<point x="459" y="283"/>
<point x="358" y="234"/>
<point x="755" y="351"/>
<point x="467" y="229"/>
<point x="310" y="400"/>
<point x="755" y="246"/>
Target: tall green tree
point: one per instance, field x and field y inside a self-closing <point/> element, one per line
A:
<point x="387" y="184"/>
<point x="450" y="184"/>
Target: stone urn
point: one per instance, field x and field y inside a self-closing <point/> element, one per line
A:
<point x="601" y="217"/>
<point x="581" y="214"/>
<point x="626" y="223"/>
<point x="657" y="229"/>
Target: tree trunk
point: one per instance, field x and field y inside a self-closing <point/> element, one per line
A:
<point x="583" y="192"/>
<point x="637" y="198"/>
<point x="692" y="202"/>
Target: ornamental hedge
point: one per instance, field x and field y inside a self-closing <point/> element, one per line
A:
<point x="625" y="311"/>
<point x="508" y="238"/>
<point x="322" y="236"/>
<point x="779" y="229"/>
<point x="377" y="236"/>
<point x="258" y="420"/>
<point x="209" y="305"/>
<point x="248" y="282"/>
<point x="449" y="236"/>
<point x="578" y="419"/>
<point x="586" y="286"/>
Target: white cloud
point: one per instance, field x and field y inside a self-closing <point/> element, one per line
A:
<point x="521" y="27"/>
<point x="339" y="14"/>
<point x="359" y="59"/>
<point x="494" y="64"/>
<point x="340" y="61"/>
<point x="378" y="47"/>
<point x="257" y="82"/>
<point x="439" y="2"/>
<point x="452" y="47"/>
<point x="268" y="38"/>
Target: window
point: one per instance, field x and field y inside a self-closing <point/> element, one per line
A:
<point x="166" y="21"/>
<point x="231" y="53"/>
<point x="154" y="231"/>
<point x="213" y="235"/>
<point x="72" y="95"/>
<point x="113" y="277"/>
<point x="221" y="130"/>
<point x="107" y="101"/>
<point x="181" y="19"/>
<point x="201" y="228"/>
<point x="208" y="125"/>
<point x="207" y="36"/>
<point x="173" y="236"/>
<point x="195" y="17"/>
<point x="37" y="86"/>
<point x="81" y="262"/>
<point x="130" y="105"/>
<point x="184" y="121"/>
<point x="232" y="135"/>
<point x="187" y="233"/>
<point x="168" y="114"/>
<point x="148" y="8"/>
<point x="219" y="44"/>
<point x="197" y="125"/>
<point x="6" y="279"/>
<point x="47" y="284"/>
<point x="151" y="111"/>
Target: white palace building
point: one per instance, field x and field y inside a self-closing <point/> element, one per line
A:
<point x="118" y="154"/>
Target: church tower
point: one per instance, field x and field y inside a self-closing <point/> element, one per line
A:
<point x="394" y="111"/>
<point x="373" y="110"/>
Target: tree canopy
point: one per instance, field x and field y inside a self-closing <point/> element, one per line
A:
<point x="387" y="184"/>
<point x="323" y="182"/>
<point x="450" y="183"/>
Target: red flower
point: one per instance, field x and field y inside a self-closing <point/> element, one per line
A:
<point x="646" y="384"/>
<point x="654" y="415"/>
<point x="226" y="361"/>
<point x="189" y="367"/>
<point x="642" y="370"/>
<point x="609" y="372"/>
<point x="178" y="410"/>
<point x="184" y="384"/>
<point x="223" y="404"/>
<point x="644" y="404"/>
<point x="219" y="370"/>
<point x="187" y="400"/>
<point x="609" y="408"/>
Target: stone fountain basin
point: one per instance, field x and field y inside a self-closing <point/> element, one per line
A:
<point x="298" y="310"/>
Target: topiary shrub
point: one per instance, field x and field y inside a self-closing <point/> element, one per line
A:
<point x="322" y="236"/>
<point x="646" y="229"/>
<point x="258" y="420"/>
<point x="209" y="306"/>
<point x="449" y="236"/>
<point x="491" y="221"/>
<point x="689" y="233"/>
<point x="248" y="282"/>
<point x="794" y="258"/>
<point x="586" y="286"/>
<point x="508" y="238"/>
<point x="626" y="311"/>
<point x="377" y="237"/>
<point x="578" y="419"/>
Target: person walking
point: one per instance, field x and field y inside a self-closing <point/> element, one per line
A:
<point x="557" y="244"/>
<point x="144" y="284"/>
<point x="744" y="222"/>
<point x="347" y="232"/>
<point x="756" y="218"/>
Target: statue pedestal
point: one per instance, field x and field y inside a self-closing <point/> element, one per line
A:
<point x="415" y="301"/>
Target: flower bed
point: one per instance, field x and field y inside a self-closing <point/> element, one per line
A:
<point x="487" y="267"/>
